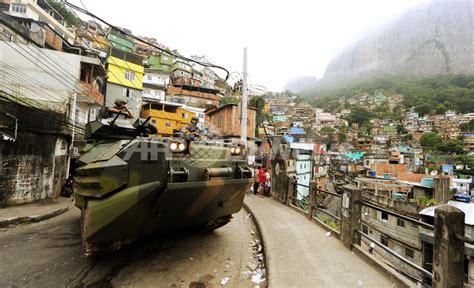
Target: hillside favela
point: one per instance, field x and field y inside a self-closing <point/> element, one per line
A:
<point x="239" y="144"/>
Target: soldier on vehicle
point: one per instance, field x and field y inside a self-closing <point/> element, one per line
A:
<point x="120" y="107"/>
<point x="193" y="132"/>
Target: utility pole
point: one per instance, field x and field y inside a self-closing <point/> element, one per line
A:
<point x="243" y="119"/>
<point x="72" y="117"/>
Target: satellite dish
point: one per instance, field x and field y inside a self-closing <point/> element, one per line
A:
<point x="434" y="173"/>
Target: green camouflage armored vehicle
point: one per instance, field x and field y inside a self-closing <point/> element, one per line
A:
<point x="129" y="185"/>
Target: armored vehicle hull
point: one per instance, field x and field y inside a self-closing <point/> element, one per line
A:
<point x="128" y="188"/>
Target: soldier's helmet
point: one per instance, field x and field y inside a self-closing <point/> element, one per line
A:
<point x="119" y="102"/>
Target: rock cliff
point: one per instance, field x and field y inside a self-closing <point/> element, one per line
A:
<point x="433" y="38"/>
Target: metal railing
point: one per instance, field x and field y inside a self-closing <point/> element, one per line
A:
<point x="298" y="200"/>
<point x="312" y="206"/>
<point x="320" y="209"/>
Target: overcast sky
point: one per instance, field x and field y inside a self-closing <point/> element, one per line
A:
<point x="284" y="38"/>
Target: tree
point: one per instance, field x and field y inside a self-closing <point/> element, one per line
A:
<point x="65" y="12"/>
<point x="401" y="129"/>
<point x="467" y="127"/>
<point x="229" y="100"/>
<point x="407" y="138"/>
<point x="440" y="109"/>
<point x="430" y="140"/>
<point x="342" y="136"/>
<point x="359" y="115"/>
<point x="450" y="146"/>
<point x="423" y="109"/>
<point x="328" y="134"/>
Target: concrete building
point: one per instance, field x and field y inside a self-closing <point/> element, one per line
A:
<point x="53" y="97"/>
<point x="193" y="95"/>
<point x="462" y="185"/>
<point x="468" y="142"/>
<point x="154" y="85"/>
<point x="125" y="79"/>
<point x="39" y="10"/>
<point x="167" y="117"/>
<point x="225" y="121"/>
<point x="427" y="239"/>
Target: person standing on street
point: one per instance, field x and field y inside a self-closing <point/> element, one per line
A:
<point x="268" y="182"/>
<point x="261" y="180"/>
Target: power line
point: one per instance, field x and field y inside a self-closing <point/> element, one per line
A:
<point x="36" y="103"/>
<point x="95" y="38"/>
<point x="103" y="32"/>
<point x="64" y="81"/>
<point x="86" y="12"/>
<point x="19" y="101"/>
<point x="19" y="76"/>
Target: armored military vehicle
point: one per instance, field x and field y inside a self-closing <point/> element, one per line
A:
<point x="130" y="184"/>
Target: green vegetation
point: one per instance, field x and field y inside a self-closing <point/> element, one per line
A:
<point x="427" y="94"/>
<point x="65" y="12"/>
<point x="359" y="115"/>
<point x="426" y="201"/>
<point x="467" y="127"/>
<point x="430" y="140"/>
<point x="327" y="134"/>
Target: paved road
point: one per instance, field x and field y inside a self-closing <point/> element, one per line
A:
<point x="49" y="254"/>
<point x="299" y="254"/>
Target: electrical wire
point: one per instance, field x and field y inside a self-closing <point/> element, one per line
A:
<point x="96" y="39"/>
<point x="44" y="65"/>
<point x="86" y="12"/>
<point x="24" y="78"/>
<point x="36" y="103"/>
<point x="19" y="101"/>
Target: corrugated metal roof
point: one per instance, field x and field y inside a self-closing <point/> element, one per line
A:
<point x="467" y="208"/>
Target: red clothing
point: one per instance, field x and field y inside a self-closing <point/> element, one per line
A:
<point x="261" y="176"/>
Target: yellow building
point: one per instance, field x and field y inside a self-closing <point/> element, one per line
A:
<point x="125" y="73"/>
<point x="167" y="117"/>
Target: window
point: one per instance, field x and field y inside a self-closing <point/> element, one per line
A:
<point x="365" y="229"/>
<point x="168" y="124"/>
<point x="384" y="216"/>
<point x="409" y="253"/>
<point x="18" y="8"/>
<point x="384" y="240"/>
<point x="148" y="77"/>
<point x="185" y="115"/>
<point x="414" y="225"/>
<point x="400" y="222"/>
<point x="153" y="122"/>
<point x="129" y="75"/>
<point x="126" y="92"/>
<point x="219" y="121"/>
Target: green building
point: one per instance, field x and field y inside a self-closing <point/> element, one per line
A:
<point x="162" y="62"/>
<point x="120" y="41"/>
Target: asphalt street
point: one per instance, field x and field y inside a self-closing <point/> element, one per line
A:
<point x="49" y="254"/>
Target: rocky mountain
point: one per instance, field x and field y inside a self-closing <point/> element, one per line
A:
<point x="433" y="38"/>
<point x="300" y="83"/>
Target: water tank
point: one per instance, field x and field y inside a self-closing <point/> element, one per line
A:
<point x="397" y="196"/>
<point x="427" y="182"/>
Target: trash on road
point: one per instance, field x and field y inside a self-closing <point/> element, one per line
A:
<point x="224" y="280"/>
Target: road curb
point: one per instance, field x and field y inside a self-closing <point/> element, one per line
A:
<point x="34" y="218"/>
<point x="266" y="258"/>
